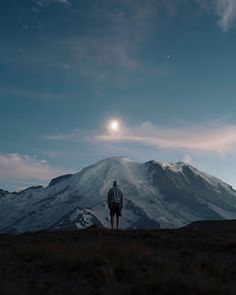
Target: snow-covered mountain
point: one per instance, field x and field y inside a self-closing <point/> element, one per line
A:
<point x="156" y="195"/>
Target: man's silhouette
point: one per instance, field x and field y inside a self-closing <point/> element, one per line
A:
<point x="115" y="203"/>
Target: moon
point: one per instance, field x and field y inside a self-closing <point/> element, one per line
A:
<point x="114" y="125"/>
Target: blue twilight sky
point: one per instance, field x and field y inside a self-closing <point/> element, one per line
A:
<point x="164" y="69"/>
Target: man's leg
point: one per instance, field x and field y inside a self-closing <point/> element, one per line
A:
<point x="112" y="221"/>
<point x="117" y="221"/>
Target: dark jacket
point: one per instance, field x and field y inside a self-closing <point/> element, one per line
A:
<point x="115" y="197"/>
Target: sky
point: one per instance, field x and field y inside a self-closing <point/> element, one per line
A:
<point x="165" y="70"/>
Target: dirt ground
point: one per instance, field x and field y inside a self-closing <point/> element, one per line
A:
<point x="99" y="261"/>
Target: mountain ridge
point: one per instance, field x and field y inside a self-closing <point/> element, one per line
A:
<point x="157" y="195"/>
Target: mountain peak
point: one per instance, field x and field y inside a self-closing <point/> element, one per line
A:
<point x="177" y="167"/>
<point x="119" y="159"/>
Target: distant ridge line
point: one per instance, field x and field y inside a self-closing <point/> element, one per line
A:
<point x="212" y="225"/>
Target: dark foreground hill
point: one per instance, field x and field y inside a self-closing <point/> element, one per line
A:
<point x="97" y="261"/>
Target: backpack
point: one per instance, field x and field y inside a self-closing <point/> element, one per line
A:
<point x="116" y="196"/>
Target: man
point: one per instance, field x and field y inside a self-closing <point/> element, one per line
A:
<point x="115" y="203"/>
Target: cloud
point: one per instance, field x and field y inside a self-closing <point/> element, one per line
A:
<point x="42" y="3"/>
<point x="75" y="135"/>
<point x="18" y="167"/>
<point x="107" y="51"/>
<point x="187" y="159"/>
<point x="221" y="139"/>
<point x="62" y="1"/>
<point x="23" y="93"/>
<point x="116" y="44"/>
<point x="224" y="9"/>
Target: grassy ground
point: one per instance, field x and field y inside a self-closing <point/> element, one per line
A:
<point x="119" y="262"/>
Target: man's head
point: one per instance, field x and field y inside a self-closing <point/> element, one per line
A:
<point x="115" y="183"/>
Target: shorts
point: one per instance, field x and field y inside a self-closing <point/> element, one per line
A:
<point x="115" y="210"/>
